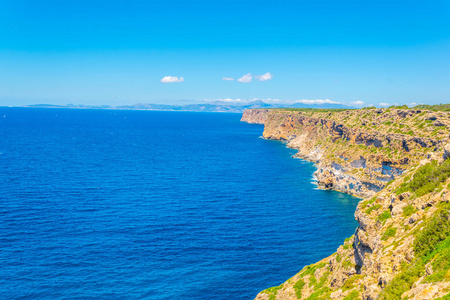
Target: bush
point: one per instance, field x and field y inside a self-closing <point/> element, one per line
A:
<point x="409" y="210"/>
<point x="311" y="269"/>
<point x="435" y="230"/>
<point x="352" y="295"/>
<point x="446" y="297"/>
<point x="403" y="281"/>
<point x="272" y="292"/>
<point x="427" y="178"/>
<point x="431" y="244"/>
<point x="372" y="208"/>
<point x="347" y="264"/>
<point x="364" y="204"/>
<point x="390" y="232"/>
<point x="384" y="216"/>
<point x="389" y="182"/>
<point x="436" y="107"/>
<point x="440" y="263"/>
<point x="322" y="280"/>
<point x="298" y="287"/>
<point x="350" y="282"/>
<point x="323" y="293"/>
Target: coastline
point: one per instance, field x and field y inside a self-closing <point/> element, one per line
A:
<point x="372" y="263"/>
<point x="351" y="156"/>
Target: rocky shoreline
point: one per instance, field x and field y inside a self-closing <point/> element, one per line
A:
<point x="381" y="155"/>
<point x="351" y="157"/>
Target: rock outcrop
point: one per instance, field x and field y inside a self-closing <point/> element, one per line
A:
<point x="356" y="151"/>
<point x="401" y="248"/>
<point x="255" y="116"/>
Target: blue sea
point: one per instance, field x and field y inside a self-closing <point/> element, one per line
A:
<point x="112" y="204"/>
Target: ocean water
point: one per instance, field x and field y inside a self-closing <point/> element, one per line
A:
<point x="155" y="205"/>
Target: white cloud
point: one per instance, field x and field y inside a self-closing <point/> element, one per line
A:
<point x="385" y="104"/>
<point x="170" y="79"/>
<point x="229" y="100"/>
<point x="264" y="77"/>
<point x="276" y="101"/>
<point x="358" y="103"/>
<point x="246" y="78"/>
<point x="228" y="78"/>
<point x="412" y="104"/>
<point x="316" y="101"/>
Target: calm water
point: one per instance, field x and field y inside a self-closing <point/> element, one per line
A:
<point x="155" y="205"/>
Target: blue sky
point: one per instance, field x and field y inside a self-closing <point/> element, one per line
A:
<point x="117" y="52"/>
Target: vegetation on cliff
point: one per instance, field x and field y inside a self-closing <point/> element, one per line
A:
<point x="357" y="151"/>
<point x="404" y="240"/>
<point x="401" y="248"/>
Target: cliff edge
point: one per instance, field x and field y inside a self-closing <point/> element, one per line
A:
<point x="397" y="160"/>
<point x="357" y="151"/>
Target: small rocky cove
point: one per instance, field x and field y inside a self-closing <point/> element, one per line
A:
<point x="396" y="161"/>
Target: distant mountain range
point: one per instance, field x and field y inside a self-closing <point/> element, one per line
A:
<point x="215" y="106"/>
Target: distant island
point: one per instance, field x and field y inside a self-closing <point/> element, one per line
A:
<point x="214" y="106"/>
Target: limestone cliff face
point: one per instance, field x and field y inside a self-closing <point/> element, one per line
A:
<point x="255" y="116"/>
<point x="356" y="151"/>
<point x="401" y="248"/>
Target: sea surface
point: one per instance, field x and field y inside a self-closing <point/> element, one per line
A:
<point x="113" y="204"/>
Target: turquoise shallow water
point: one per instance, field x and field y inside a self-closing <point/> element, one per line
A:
<point x="155" y="205"/>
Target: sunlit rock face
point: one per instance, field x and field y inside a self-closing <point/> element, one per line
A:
<point x="357" y="151"/>
<point x="399" y="162"/>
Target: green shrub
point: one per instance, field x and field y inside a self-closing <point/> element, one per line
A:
<point x="403" y="281"/>
<point x="384" y="216"/>
<point x="431" y="243"/>
<point x="318" y="284"/>
<point x="445" y="297"/>
<point x="389" y="182"/>
<point x="298" y="287"/>
<point x="312" y="280"/>
<point x="311" y="269"/>
<point x="365" y="203"/>
<point x="322" y="280"/>
<point x="409" y="210"/>
<point x="390" y="232"/>
<point x="272" y="292"/>
<point x="353" y="295"/>
<point x="435" y="230"/>
<point x="347" y="264"/>
<point x="440" y="263"/>
<point x="350" y="282"/>
<point x="436" y="107"/>
<point x="427" y="178"/>
<point x="372" y="208"/>
<point x="323" y="293"/>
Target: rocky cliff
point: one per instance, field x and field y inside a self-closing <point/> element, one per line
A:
<point x="255" y="116"/>
<point x="357" y="151"/>
<point x="398" y="161"/>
